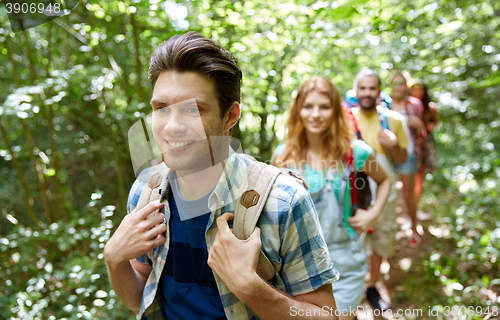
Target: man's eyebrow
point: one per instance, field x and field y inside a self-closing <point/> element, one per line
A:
<point x="196" y="101"/>
<point x="203" y="102"/>
<point x="187" y="102"/>
<point x="154" y="101"/>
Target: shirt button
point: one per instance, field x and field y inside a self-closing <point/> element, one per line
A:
<point x="222" y="203"/>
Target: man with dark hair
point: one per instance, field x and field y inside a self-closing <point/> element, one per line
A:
<point x="390" y="143"/>
<point x="197" y="268"/>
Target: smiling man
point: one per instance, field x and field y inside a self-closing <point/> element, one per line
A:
<point x="390" y="146"/>
<point x="198" y="269"/>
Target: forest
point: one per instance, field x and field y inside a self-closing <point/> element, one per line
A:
<point x="72" y="87"/>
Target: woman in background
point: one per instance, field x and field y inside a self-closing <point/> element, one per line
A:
<point x="318" y="143"/>
<point x="411" y="108"/>
<point x="430" y="119"/>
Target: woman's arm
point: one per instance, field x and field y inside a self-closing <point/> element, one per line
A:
<point x="416" y="124"/>
<point x="434" y="117"/>
<point x="363" y="219"/>
<point x="374" y="170"/>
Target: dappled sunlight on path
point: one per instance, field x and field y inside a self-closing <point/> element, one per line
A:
<point x="406" y="263"/>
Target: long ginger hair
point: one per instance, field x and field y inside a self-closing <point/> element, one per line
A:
<point x="336" y="142"/>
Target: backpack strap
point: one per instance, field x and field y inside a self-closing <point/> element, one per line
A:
<point x="409" y="108"/>
<point x="343" y="183"/>
<point x="261" y="178"/>
<point x="351" y="117"/>
<point x="351" y="172"/>
<point x="384" y="120"/>
<point x="150" y="193"/>
<point x="349" y="159"/>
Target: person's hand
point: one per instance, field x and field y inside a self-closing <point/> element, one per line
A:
<point x="387" y="138"/>
<point x="234" y="260"/>
<point x="362" y="220"/>
<point x="415" y="123"/>
<point x="138" y="233"/>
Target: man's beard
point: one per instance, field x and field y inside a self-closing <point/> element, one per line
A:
<point x="370" y="106"/>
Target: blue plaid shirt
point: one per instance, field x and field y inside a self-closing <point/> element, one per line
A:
<point x="290" y="233"/>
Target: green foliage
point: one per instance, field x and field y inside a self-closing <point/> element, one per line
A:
<point x="58" y="271"/>
<point x="463" y="196"/>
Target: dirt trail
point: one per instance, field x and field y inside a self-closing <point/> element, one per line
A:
<point x="406" y="263"/>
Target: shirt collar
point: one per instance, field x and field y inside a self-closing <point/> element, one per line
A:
<point x="232" y="182"/>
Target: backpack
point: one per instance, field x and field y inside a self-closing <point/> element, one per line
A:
<point x="361" y="194"/>
<point x="248" y="208"/>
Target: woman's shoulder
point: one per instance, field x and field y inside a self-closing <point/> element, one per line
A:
<point x="361" y="146"/>
<point x="415" y="103"/>
<point x="279" y="149"/>
<point x="361" y="152"/>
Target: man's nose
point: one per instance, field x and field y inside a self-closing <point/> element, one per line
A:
<point x="175" y="124"/>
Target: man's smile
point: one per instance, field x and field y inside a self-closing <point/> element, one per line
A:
<point x="178" y="144"/>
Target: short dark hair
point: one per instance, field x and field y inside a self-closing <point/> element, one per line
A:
<point x="194" y="52"/>
<point x="367" y="72"/>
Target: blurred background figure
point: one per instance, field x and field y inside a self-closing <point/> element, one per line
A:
<point x="351" y="100"/>
<point x="384" y="131"/>
<point x="411" y="108"/>
<point x="430" y="118"/>
<point x="319" y="144"/>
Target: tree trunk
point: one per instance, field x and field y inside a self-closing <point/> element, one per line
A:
<point x="33" y="73"/>
<point x="49" y="39"/>
<point x="58" y="200"/>
<point x="15" y="72"/>
<point x="116" y="151"/>
<point x="58" y="203"/>
<point x="138" y="65"/>
<point x="20" y="174"/>
<point x="39" y="173"/>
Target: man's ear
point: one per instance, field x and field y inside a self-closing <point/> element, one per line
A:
<point x="232" y="116"/>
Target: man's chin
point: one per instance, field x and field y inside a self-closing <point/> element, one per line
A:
<point x="179" y="163"/>
<point x="370" y="107"/>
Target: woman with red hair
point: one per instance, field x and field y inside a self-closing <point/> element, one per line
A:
<point x="319" y="145"/>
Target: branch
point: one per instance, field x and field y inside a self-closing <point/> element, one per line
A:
<point x="27" y="197"/>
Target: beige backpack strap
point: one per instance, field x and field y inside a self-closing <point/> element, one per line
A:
<point x="249" y="207"/>
<point x="286" y="171"/>
<point x="151" y="192"/>
<point x="294" y="174"/>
